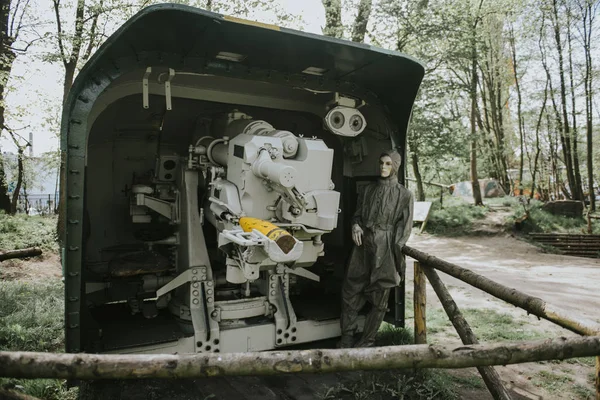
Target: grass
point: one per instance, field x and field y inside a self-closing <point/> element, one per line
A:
<point x="493" y="326"/>
<point x="394" y="384"/>
<point x="582" y="392"/>
<point x="31" y="319"/>
<point x="48" y="389"/>
<point x="389" y="335"/>
<point x="586" y="361"/>
<point x="488" y="325"/>
<point x="21" y="231"/>
<point x="31" y="316"/>
<point x="552" y="382"/>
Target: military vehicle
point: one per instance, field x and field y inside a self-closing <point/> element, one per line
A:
<point x="211" y="172"/>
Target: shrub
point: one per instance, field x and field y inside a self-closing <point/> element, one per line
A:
<point x="541" y="221"/>
<point x="456" y="217"/>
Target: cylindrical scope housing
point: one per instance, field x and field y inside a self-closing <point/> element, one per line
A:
<point x="280" y="174"/>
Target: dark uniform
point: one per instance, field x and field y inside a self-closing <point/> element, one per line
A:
<point x="384" y="212"/>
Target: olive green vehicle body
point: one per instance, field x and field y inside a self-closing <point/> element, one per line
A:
<point x="112" y="132"/>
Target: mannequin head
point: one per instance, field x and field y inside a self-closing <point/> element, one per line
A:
<point x="385" y="166"/>
<point x="389" y="164"/>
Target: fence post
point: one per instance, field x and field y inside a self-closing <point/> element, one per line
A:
<point x="489" y="374"/>
<point x="420" y="305"/>
<point x="598" y="378"/>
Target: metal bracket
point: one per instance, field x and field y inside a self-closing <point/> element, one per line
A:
<point x="202" y="306"/>
<point x="165" y="208"/>
<point x="168" y="89"/>
<point x="145" y="89"/>
<point x="303" y="272"/>
<point x="285" y="317"/>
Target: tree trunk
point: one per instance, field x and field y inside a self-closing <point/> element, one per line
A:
<point x="4" y="198"/>
<point x="70" y="68"/>
<point x="361" y="21"/>
<point x="519" y="111"/>
<point x="333" y="19"/>
<point x="170" y="366"/>
<point x="7" y="57"/>
<point x="15" y="195"/>
<point x="578" y="186"/>
<point x="537" y="143"/>
<point x="418" y="177"/>
<point x="565" y="131"/>
<point x="588" y="17"/>
<point x="473" y="92"/>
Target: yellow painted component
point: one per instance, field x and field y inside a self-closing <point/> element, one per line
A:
<point x="283" y="238"/>
<point x="252" y="23"/>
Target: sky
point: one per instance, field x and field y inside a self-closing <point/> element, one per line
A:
<point x="36" y="86"/>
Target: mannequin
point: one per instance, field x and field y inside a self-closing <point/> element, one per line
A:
<point x="380" y="228"/>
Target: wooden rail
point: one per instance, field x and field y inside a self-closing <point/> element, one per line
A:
<point x="531" y="304"/>
<point x="117" y="366"/>
<point x="534" y="305"/>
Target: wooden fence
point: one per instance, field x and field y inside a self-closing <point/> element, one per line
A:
<point x="426" y="266"/>
<point x="419" y="355"/>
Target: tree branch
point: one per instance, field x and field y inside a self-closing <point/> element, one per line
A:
<point x="78" y="37"/>
<point x="92" y="41"/>
<point x="20" y="24"/>
<point x="56" y="4"/>
<point x="15" y="11"/>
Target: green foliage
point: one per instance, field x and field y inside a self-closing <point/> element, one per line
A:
<point x="394" y="384"/>
<point x="47" y="389"/>
<point x="389" y="335"/>
<point x="21" y="231"/>
<point x="456" y="218"/>
<point x="541" y="221"/>
<point x="31" y="316"/>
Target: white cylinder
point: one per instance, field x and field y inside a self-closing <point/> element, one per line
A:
<point x="280" y="174"/>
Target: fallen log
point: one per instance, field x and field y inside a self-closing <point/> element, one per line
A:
<point x="531" y="304"/>
<point x="104" y="366"/>
<point x="22" y="253"/>
<point x="489" y="374"/>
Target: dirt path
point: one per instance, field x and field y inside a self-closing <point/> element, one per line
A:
<point x="565" y="281"/>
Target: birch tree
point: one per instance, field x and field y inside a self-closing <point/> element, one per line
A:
<point x="14" y="19"/>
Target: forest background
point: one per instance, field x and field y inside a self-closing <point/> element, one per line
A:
<point x="510" y="91"/>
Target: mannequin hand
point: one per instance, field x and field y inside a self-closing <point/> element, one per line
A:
<point x="357" y="233"/>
